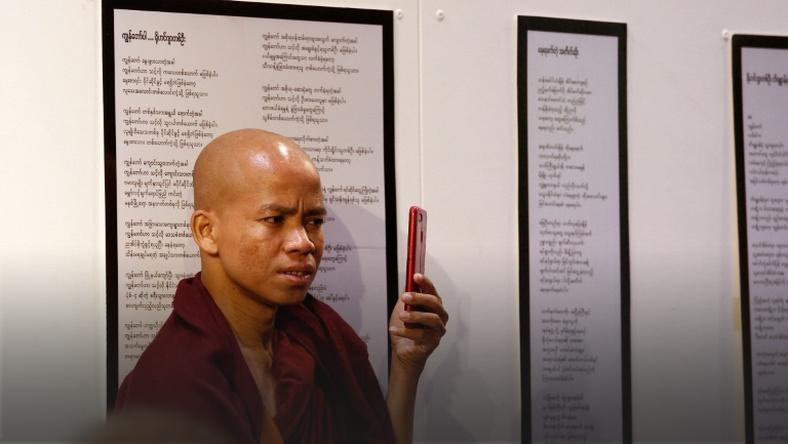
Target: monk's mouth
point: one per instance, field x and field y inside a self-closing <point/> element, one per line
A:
<point x="298" y="276"/>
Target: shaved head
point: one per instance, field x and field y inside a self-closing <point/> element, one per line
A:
<point x="258" y="216"/>
<point x="227" y="163"/>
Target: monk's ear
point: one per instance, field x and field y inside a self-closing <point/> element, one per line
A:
<point x="204" y="231"/>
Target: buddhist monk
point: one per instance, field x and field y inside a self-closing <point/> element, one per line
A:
<point x="247" y="349"/>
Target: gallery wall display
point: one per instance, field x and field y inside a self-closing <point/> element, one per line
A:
<point x="760" y="97"/>
<point x="574" y="253"/>
<point x="179" y="73"/>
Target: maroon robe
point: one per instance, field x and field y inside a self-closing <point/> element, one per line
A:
<point x="326" y="391"/>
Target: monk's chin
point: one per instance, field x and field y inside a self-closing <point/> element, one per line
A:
<point x="288" y="297"/>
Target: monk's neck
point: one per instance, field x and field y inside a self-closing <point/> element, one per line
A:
<point x="251" y="320"/>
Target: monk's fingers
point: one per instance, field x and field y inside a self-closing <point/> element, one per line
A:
<point x="424" y="337"/>
<point x="424" y="320"/>
<point x="428" y="303"/>
<point x="425" y="284"/>
<point x="402" y="332"/>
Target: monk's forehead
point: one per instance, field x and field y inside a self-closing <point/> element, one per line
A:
<point x="269" y="179"/>
<point x="236" y="160"/>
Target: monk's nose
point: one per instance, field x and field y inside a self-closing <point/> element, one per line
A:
<point x="299" y="242"/>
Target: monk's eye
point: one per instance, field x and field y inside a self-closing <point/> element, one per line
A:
<point x="276" y="220"/>
<point x="317" y="222"/>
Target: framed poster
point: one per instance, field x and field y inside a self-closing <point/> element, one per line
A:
<point x="760" y="98"/>
<point x="179" y="73"/>
<point x="574" y="250"/>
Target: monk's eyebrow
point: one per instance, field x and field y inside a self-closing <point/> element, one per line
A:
<point x="279" y="209"/>
<point x="317" y="211"/>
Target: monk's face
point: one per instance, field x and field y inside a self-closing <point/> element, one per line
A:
<point x="269" y="227"/>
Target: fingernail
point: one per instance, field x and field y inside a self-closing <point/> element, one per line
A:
<point x="407" y="297"/>
<point x="404" y="315"/>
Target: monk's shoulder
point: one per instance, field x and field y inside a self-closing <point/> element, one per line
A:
<point x="179" y="357"/>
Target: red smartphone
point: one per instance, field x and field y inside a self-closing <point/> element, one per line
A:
<point x="417" y="247"/>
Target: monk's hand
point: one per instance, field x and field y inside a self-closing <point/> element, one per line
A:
<point x="413" y="343"/>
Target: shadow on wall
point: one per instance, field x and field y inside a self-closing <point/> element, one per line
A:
<point x="342" y="285"/>
<point x="454" y="404"/>
<point x="352" y="279"/>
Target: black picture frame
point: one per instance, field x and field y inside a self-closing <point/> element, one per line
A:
<point x="378" y="17"/>
<point x="738" y="43"/>
<point x="571" y="26"/>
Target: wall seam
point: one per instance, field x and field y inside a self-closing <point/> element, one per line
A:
<point x="420" y="120"/>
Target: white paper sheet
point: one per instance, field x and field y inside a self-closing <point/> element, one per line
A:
<point x="574" y="237"/>
<point x="765" y="119"/>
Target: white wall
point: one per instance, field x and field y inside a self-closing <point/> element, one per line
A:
<point x="456" y="155"/>
<point x="51" y="271"/>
